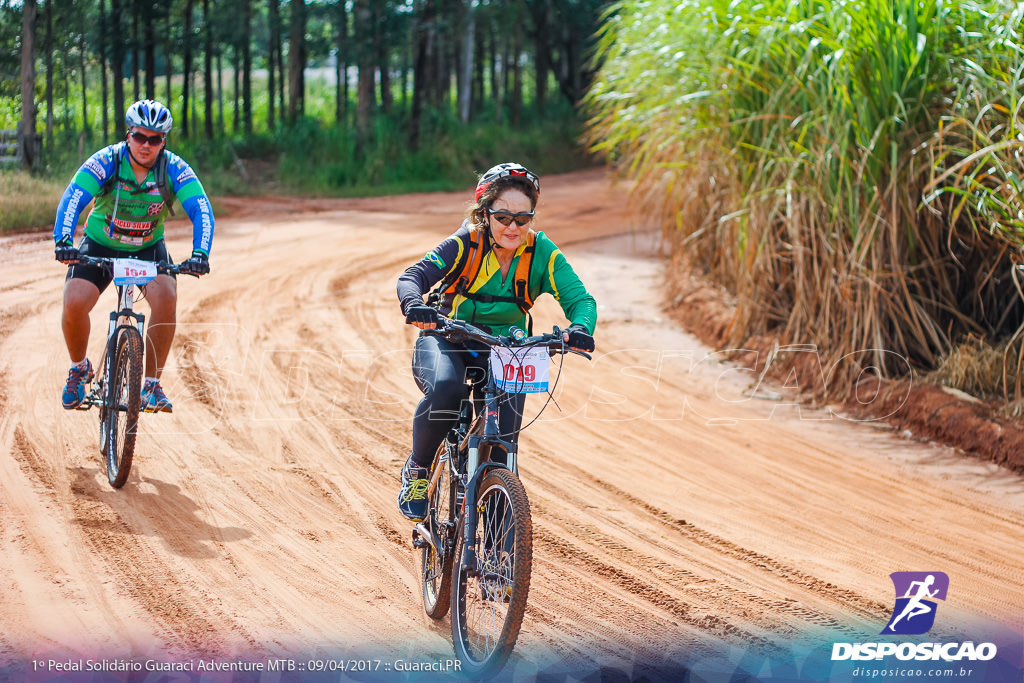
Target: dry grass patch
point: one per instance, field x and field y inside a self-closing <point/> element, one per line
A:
<point x="27" y="202"/>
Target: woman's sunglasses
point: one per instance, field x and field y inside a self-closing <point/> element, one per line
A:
<point x="143" y="139"/>
<point x="506" y="218"/>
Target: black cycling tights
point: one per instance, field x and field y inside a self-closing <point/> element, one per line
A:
<point x="439" y="368"/>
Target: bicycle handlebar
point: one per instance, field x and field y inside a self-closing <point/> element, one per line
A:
<point x="106" y="263"/>
<point x="460" y="331"/>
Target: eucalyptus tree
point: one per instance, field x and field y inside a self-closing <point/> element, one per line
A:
<point x="297" y="61"/>
<point x="28" y="84"/>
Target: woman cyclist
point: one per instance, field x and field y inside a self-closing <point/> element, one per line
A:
<point x="513" y="265"/>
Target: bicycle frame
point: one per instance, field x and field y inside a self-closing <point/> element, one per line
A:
<point x="124" y="314"/>
<point x="475" y="470"/>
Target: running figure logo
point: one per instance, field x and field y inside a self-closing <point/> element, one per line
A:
<point x="914" y="612"/>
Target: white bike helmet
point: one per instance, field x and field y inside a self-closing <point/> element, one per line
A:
<point x="149" y="114"/>
<point x="502" y="170"/>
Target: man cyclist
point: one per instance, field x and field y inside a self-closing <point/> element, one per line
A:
<point x="127" y="221"/>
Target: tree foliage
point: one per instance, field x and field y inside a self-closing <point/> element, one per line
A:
<point x="234" y="68"/>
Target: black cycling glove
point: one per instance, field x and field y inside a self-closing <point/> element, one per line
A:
<point x="199" y="264"/>
<point x="421" y="313"/>
<point x="66" y="252"/>
<point x="579" y="338"/>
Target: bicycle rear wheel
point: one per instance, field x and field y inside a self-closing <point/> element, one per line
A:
<point x="435" y="566"/>
<point x="489" y="603"/>
<point x="121" y="404"/>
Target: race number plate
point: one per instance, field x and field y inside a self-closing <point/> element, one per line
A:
<point x="521" y="371"/>
<point x="129" y="271"/>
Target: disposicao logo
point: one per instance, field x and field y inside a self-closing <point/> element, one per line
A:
<point x="914" y="614"/>
<point x="915" y="608"/>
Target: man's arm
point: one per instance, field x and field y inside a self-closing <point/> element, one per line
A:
<point x="194" y="201"/>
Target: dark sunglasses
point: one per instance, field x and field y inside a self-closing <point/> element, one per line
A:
<point x="506" y="218"/>
<point x="143" y="139"/>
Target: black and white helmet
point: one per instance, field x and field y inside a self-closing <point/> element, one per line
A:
<point x="502" y="170"/>
<point x="149" y="114"/>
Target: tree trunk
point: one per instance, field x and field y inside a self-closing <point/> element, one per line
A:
<point x="515" y="100"/>
<point x="103" y="69"/>
<point x="516" y="103"/>
<point x="48" y="60"/>
<point x="468" y="52"/>
<point x="236" y="123"/>
<point x="478" y="95"/>
<point x="85" y="97"/>
<point x="247" y="65"/>
<point x="186" y="70"/>
<point x="66" y="99"/>
<point x="27" y="127"/>
<point x="169" y="68"/>
<point x="506" y="68"/>
<point x="281" y="106"/>
<point x="273" y="20"/>
<point x="220" y="94"/>
<point x="117" y="64"/>
<point x="500" y="57"/>
<point x="136" y="43"/>
<point x="423" y="61"/>
<point x="341" y="67"/>
<point x="168" y="57"/>
<point x="443" y="72"/>
<point x="542" y="48"/>
<point x="150" y="59"/>
<point x="365" y="95"/>
<point x="382" y="40"/>
<point x="297" y="61"/>
<point x="407" y="51"/>
<point x="207" y="72"/>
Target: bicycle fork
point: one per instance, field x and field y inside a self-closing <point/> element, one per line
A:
<point x="475" y="471"/>
<point x="123" y="316"/>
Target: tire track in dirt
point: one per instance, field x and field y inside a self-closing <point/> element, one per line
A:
<point x="33" y="465"/>
<point x="155" y="586"/>
<point x="680" y="610"/>
<point x="706" y="539"/>
<point x="720" y="593"/>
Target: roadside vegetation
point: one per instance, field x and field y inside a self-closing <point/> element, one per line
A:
<point x="312" y="158"/>
<point x="313" y="98"/>
<point x="850" y="172"/>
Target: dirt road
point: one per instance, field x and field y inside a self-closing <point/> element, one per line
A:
<point x="685" y="516"/>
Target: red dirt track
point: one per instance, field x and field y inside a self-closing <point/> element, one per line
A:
<point x="679" y="508"/>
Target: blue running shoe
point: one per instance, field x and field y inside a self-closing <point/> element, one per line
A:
<point x="74" y="390"/>
<point x="412" y="498"/>
<point x="153" y="398"/>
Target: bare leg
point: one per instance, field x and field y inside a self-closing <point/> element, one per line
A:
<point x="162" y="294"/>
<point x="80" y="296"/>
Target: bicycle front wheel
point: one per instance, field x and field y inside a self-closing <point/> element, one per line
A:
<point x="122" y="402"/>
<point x="488" y="601"/>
